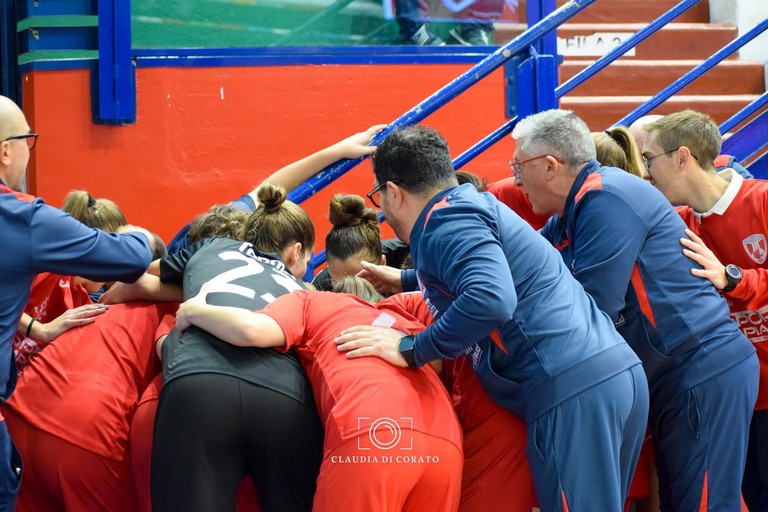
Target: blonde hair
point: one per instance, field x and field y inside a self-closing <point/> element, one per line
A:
<point x="358" y="287"/>
<point x="222" y="220"/>
<point x="96" y="213"/>
<point x="277" y="223"/>
<point x="617" y="148"/>
<point x="355" y="230"/>
<point x="691" y="129"/>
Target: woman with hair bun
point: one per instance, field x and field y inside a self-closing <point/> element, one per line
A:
<point x="353" y="238"/>
<point x="103" y="214"/>
<point x="252" y="408"/>
<point x="616" y="148"/>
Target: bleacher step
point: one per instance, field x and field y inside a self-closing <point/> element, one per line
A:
<point x="601" y="112"/>
<point x="647" y="77"/>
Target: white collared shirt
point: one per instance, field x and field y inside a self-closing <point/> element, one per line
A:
<point x="734" y="185"/>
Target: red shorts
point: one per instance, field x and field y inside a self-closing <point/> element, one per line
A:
<point x="59" y="475"/>
<point x="427" y="477"/>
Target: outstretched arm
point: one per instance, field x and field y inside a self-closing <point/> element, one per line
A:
<point x="293" y="175"/>
<point x="69" y="319"/>
<point x="237" y="326"/>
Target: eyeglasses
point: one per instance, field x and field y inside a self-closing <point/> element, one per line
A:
<point x="647" y="160"/>
<point x="516" y="166"/>
<point x="378" y="189"/>
<point x="30" y="137"/>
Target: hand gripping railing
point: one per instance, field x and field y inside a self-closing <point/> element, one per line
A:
<point x="447" y="93"/>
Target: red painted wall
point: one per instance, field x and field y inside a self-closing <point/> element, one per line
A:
<point x="208" y="135"/>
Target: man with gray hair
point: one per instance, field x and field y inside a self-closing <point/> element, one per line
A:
<point x="501" y="295"/>
<point x="621" y="239"/>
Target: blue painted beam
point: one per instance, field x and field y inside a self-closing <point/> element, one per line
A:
<point x="760" y="167"/>
<point x="749" y="140"/>
<point x="57" y="7"/>
<point x="113" y="86"/>
<point x="743" y="114"/>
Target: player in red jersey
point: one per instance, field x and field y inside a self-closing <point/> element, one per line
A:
<point x="392" y="441"/>
<point x="72" y="407"/>
<point x="496" y="474"/>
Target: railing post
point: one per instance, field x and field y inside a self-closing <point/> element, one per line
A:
<point x="113" y="87"/>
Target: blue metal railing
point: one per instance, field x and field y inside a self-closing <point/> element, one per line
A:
<point x="743" y="114"/>
<point x="447" y="93"/>
<point x="579" y="78"/>
<point x="693" y="74"/>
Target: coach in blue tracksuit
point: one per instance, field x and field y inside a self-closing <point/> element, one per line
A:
<point x="34" y="238"/>
<point x="621" y="239"/>
<point x="501" y="295"/>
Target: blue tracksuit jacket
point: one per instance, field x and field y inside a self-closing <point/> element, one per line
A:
<point x="501" y="294"/>
<point x="38" y="238"/>
<point x="621" y="239"/>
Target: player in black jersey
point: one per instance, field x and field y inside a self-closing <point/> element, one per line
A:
<point x="225" y="412"/>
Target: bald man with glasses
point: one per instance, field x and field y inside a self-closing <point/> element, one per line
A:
<point x="39" y="238"/>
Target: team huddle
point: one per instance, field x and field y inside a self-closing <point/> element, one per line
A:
<point x="551" y="343"/>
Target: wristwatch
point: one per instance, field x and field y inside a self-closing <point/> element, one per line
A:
<point x="734" y="275"/>
<point x="405" y="346"/>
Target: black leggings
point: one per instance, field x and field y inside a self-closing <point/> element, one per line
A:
<point x="213" y="429"/>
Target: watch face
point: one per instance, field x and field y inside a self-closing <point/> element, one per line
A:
<point x="733" y="272"/>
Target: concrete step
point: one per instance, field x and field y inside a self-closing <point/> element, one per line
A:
<point x="673" y="41"/>
<point x="601" y="112"/>
<point x="621" y="11"/>
<point x="646" y="77"/>
<point x="637" y="11"/>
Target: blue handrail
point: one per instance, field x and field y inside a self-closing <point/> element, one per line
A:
<point x="693" y="74"/>
<point x="579" y="78"/>
<point x="624" y="47"/>
<point x="744" y="113"/>
<point x="447" y="93"/>
<point x="484" y="143"/>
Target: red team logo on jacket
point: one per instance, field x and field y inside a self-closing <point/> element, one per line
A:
<point x="756" y="247"/>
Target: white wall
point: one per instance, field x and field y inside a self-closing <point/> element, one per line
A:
<point x="745" y="14"/>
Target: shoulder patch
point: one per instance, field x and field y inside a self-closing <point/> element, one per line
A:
<point x="440" y="204"/>
<point x="593" y="182"/>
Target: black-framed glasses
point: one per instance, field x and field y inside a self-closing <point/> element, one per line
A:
<point x="647" y="159"/>
<point x="31" y="139"/>
<point x="516" y="165"/>
<point x="378" y="189"/>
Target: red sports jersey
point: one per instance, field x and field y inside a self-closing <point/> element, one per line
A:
<point x="735" y="230"/>
<point x="50" y="296"/>
<point x="85" y="387"/>
<point x="496" y="475"/>
<point x="361" y="396"/>
<point x="513" y="196"/>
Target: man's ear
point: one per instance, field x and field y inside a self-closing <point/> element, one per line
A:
<point x="383" y="260"/>
<point x="396" y="194"/>
<point x="552" y="168"/>
<point x="5" y="153"/>
<point x="684" y="156"/>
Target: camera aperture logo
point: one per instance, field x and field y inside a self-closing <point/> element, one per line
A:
<point x="385" y="433"/>
<point x="385" y="441"/>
